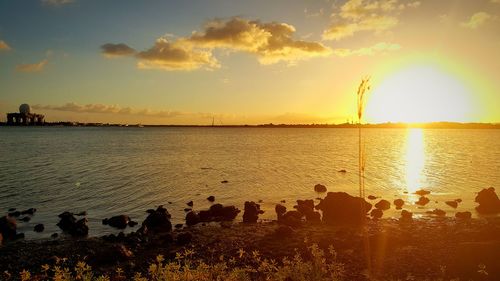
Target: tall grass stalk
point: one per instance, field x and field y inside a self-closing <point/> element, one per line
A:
<point x="363" y="89"/>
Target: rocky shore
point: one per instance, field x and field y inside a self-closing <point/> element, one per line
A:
<point x="434" y="247"/>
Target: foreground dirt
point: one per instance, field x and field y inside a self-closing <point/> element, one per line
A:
<point x="421" y="249"/>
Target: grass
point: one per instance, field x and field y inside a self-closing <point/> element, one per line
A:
<point x="318" y="266"/>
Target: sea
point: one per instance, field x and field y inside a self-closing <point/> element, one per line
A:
<point x="108" y="171"/>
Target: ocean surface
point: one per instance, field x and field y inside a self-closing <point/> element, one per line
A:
<point x="111" y="171"/>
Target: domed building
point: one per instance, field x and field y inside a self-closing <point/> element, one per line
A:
<point x="25" y="117"/>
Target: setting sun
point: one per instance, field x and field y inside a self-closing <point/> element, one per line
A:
<point x="420" y="93"/>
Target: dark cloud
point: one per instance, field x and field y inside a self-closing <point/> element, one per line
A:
<point x="117" y="50"/>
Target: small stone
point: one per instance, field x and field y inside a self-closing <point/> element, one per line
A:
<point x="399" y="203"/>
<point x="211" y="198"/>
<point x="452" y="204"/>
<point x="371" y="197"/>
<point x="190" y="203"/>
<point x="54" y="235"/>
<point x="422" y="192"/>
<point x="224" y="181"/>
<point x="343" y="171"/>
<point x="179" y="225"/>
<point x="187" y="209"/>
<point x="422" y="201"/>
<point x="25" y="219"/>
<point x="39" y="228"/>
<point x="383" y="205"/>
<point x="320" y="188"/>
<point x="406" y="215"/>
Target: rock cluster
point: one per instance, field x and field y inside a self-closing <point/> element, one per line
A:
<point x="488" y="201"/>
<point x="157" y="221"/>
<point x="340" y="207"/>
<point x="251" y="212"/>
<point x="120" y="222"/>
<point x="216" y="212"/>
<point x="69" y="224"/>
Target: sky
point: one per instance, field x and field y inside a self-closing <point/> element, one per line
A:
<point x="250" y="62"/>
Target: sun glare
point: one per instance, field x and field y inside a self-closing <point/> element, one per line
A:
<point x="420" y="93"/>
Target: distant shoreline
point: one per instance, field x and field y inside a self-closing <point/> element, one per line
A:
<point x="433" y="125"/>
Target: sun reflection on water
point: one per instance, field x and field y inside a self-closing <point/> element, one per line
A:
<point x="415" y="159"/>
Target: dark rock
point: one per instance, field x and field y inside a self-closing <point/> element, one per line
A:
<point x="463" y="215"/>
<point x="8" y="228"/>
<point x="224" y="181"/>
<point x="406" y="215"/>
<point x="70" y="225"/>
<point x="179" y="225"/>
<point x="399" y="203"/>
<point x="371" y="197"/>
<point x="204" y="215"/>
<point x="437" y="212"/>
<point x="422" y="192"/>
<point x="422" y="201"/>
<point x="19" y="236"/>
<point x="39" y="228"/>
<point x="377" y="213"/>
<point x="11" y="209"/>
<point x="320" y="188"/>
<point x="211" y="198"/>
<point x="343" y="171"/>
<point x="190" y="203"/>
<point x="54" y="235"/>
<point x="251" y="212"/>
<point x="25" y="219"/>
<point x="283" y="231"/>
<point x="192" y="218"/>
<point x="150" y="211"/>
<point x="226" y="213"/>
<point x="29" y="211"/>
<point x="132" y="223"/>
<point x="158" y="221"/>
<point x="458" y="200"/>
<point x="340" y="207"/>
<point x="80" y="214"/>
<point x="14" y="214"/>
<point x="488" y="201"/>
<point x="283" y="201"/>
<point x="280" y="210"/>
<point x="292" y="218"/>
<point x="383" y="205"/>
<point x="187" y="209"/>
<point x="453" y="204"/>
<point x="119" y="222"/>
<point x="306" y="208"/>
<point x="184" y="238"/>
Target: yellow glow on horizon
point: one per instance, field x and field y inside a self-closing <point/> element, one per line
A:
<point x="420" y="93"/>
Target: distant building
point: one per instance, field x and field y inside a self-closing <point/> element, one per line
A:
<point x="25" y="117"/>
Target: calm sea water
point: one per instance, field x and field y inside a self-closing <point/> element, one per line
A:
<point x="112" y="171"/>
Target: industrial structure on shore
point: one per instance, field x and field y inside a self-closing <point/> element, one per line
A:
<point x="25" y="117"/>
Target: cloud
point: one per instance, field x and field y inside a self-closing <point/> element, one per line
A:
<point x="366" y="15"/>
<point x="109" y="109"/>
<point x="34" y="67"/>
<point x="175" y="56"/>
<point x="271" y="42"/>
<point x="476" y="20"/>
<point x="57" y="2"/>
<point x="116" y="50"/>
<point x="4" y="46"/>
<point x="381" y="47"/>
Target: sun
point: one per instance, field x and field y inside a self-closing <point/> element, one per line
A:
<point x="418" y="94"/>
